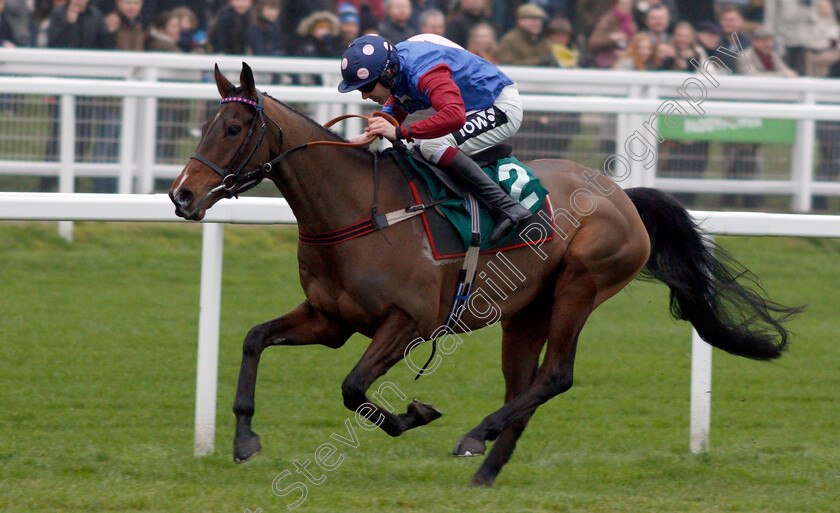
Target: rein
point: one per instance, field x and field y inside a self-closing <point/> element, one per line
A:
<point x="268" y="166"/>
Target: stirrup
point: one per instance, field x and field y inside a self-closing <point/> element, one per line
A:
<point x="502" y="229"/>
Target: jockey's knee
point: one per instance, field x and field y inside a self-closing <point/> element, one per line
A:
<point x="432" y="149"/>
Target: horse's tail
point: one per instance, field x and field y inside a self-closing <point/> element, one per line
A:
<point x="721" y="298"/>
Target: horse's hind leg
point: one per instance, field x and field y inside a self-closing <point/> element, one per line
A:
<point x="387" y="348"/>
<point x="302" y="326"/>
<point x="574" y="300"/>
<point x="524" y="336"/>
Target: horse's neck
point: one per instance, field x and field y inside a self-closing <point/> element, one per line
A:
<point x="327" y="187"/>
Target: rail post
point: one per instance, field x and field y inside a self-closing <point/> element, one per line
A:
<point x="212" y="247"/>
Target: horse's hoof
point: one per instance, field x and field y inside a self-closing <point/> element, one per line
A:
<point x="424" y="412"/>
<point x="468" y="446"/>
<point x="246" y="447"/>
<point x="482" y="482"/>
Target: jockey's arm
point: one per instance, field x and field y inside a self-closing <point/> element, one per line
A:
<point x="445" y="96"/>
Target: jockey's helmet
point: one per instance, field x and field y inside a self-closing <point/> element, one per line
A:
<point x="367" y="59"/>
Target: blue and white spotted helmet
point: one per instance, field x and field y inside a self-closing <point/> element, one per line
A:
<point x="364" y="61"/>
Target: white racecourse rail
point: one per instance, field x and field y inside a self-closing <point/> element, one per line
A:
<point x="158" y="208"/>
<point x="138" y="78"/>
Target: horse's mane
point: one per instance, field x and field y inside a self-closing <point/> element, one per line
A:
<point x="326" y="131"/>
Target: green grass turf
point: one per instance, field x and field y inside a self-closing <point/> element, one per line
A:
<point x="97" y="377"/>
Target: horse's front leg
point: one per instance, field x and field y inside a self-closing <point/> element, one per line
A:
<point x="386" y="349"/>
<point x="302" y="326"/>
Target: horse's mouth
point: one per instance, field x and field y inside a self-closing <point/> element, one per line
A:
<point x="196" y="215"/>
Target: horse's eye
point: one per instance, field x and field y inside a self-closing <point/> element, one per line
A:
<point x="233" y="130"/>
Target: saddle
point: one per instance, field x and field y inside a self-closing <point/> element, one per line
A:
<point x="447" y="215"/>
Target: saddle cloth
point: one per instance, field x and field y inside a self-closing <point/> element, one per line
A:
<point x="448" y="223"/>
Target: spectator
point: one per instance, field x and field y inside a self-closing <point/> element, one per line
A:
<point x="395" y="27"/>
<point x="556" y="8"/>
<point x="761" y="59"/>
<point x="686" y="46"/>
<point x="638" y="55"/>
<point x="696" y="11"/>
<point x="349" y="24"/>
<point x="368" y="24"/>
<point x="164" y="37"/>
<point x="193" y="37"/>
<point x="794" y="22"/>
<point x="590" y="12"/>
<point x="732" y="25"/>
<point x="641" y="8"/>
<point x="7" y="36"/>
<point x="294" y="11"/>
<point x="525" y="45"/>
<point x="265" y="37"/>
<point x="826" y="32"/>
<point x="318" y="33"/>
<point x="482" y="42"/>
<point x="166" y="33"/>
<point x="230" y="34"/>
<point x="613" y="32"/>
<point x="125" y="31"/>
<point x="561" y="40"/>
<point x="742" y="160"/>
<point x="15" y="24"/>
<point x="565" y="125"/>
<point x="658" y="21"/>
<point x="828" y="137"/>
<point x="205" y="11"/>
<point x="418" y="7"/>
<point x="375" y="7"/>
<point x="80" y="25"/>
<point x="471" y="13"/>
<point x="433" y="21"/>
<point x="77" y="25"/>
<point x="686" y="159"/>
<point x="664" y="57"/>
<point x="709" y="36"/>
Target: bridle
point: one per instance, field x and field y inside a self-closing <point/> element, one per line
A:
<point x="235" y="182"/>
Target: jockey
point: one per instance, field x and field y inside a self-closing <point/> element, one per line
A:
<point x="477" y="106"/>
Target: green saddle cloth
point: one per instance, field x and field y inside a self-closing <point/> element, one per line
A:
<point x="515" y="178"/>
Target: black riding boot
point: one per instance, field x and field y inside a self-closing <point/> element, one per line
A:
<point x="507" y="211"/>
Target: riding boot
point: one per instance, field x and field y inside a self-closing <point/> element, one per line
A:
<point x="507" y="211"/>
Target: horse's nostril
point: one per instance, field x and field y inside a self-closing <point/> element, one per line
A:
<point x="184" y="198"/>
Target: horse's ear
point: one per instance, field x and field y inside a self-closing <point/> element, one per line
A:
<point x="223" y="84"/>
<point x="246" y="80"/>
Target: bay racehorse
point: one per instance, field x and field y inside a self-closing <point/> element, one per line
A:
<point x="387" y="286"/>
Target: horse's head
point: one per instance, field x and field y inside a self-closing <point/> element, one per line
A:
<point x="231" y="148"/>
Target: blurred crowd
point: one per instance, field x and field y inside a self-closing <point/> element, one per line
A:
<point x="786" y="37"/>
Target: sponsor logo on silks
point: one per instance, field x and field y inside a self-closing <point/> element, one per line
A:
<point x="479" y="122"/>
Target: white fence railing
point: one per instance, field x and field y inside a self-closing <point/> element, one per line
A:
<point x="141" y="79"/>
<point x="139" y="107"/>
<point x="158" y="208"/>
